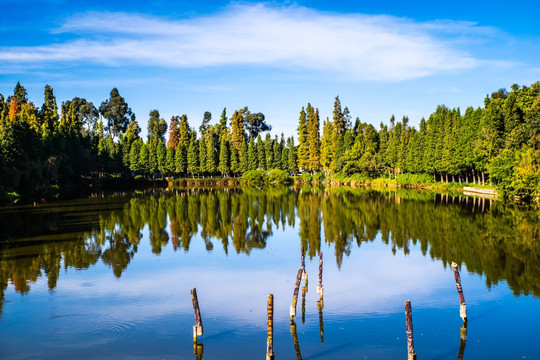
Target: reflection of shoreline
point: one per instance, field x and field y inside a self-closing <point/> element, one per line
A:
<point x="245" y="219"/>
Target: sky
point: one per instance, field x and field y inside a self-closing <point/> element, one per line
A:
<point x="383" y="58"/>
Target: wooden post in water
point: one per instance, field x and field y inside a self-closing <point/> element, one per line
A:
<point x="198" y="328"/>
<point x="408" y="323"/>
<point x="319" y="286"/>
<point x="270" y="328"/>
<point x="292" y="310"/>
<point x="462" y="306"/>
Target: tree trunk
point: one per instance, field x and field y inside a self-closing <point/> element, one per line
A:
<point x="483" y="179"/>
<point x="446" y="175"/>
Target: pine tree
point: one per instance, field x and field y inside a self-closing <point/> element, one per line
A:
<point x="170" y="165"/>
<point x="253" y="160"/>
<point x="277" y="154"/>
<point x="161" y="155"/>
<point x="174" y="133"/>
<point x="134" y="154"/>
<point x="327" y="146"/>
<point x="193" y="157"/>
<point x="144" y="160"/>
<point x="261" y="156"/>
<point x="49" y="111"/>
<point x="303" y="148"/>
<point x="292" y="164"/>
<point x="235" y="160"/>
<point x="180" y="159"/>
<point x="202" y="154"/>
<point x="211" y="153"/>
<point x="313" y="139"/>
<point x="243" y="158"/>
<point x="237" y="129"/>
<point x="268" y="151"/>
<point x="183" y="131"/>
<point x="21" y="94"/>
<point x="224" y="156"/>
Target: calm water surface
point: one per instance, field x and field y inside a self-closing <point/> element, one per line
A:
<point x="109" y="277"/>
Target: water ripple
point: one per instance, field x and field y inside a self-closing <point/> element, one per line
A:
<point x="81" y="331"/>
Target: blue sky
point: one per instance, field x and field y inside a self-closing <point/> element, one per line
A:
<point x="188" y="57"/>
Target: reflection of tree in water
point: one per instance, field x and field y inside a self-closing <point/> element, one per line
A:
<point x="498" y="241"/>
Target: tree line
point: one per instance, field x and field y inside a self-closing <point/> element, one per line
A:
<point x="498" y="143"/>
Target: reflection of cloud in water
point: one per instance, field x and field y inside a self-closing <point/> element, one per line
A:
<point x="371" y="282"/>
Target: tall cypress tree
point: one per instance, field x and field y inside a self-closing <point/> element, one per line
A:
<point x="243" y="158"/>
<point x="253" y="160"/>
<point x="303" y="147"/>
<point x="49" y="111"/>
<point x="313" y="139"/>
<point x="193" y="157"/>
<point x="261" y="153"/>
<point x="237" y="129"/>
<point x="224" y="156"/>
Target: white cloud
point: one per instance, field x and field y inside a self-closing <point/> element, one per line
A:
<point x="358" y="47"/>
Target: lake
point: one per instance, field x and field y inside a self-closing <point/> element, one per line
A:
<point x="110" y="276"/>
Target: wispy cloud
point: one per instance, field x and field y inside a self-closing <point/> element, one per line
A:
<point x="359" y="47"/>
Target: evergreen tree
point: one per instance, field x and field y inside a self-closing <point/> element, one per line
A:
<point x="313" y="139"/>
<point x="327" y="146"/>
<point x="211" y="153"/>
<point x="49" y="111"/>
<point x="174" y="132"/>
<point x="243" y="158"/>
<point x="202" y="154"/>
<point x="237" y="129"/>
<point x="268" y="151"/>
<point x="223" y="119"/>
<point x="303" y="147"/>
<point x="170" y="164"/>
<point x="144" y="160"/>
<point x="261" y="153"/>
<point x="277" y="153"/>
<point x="292" y="165"/>
<point x="224" y="156"/>
<point x="20" y="94"/>
<point x="253" y="160"/>
<point x="134" y="154"/>
<point x="184" y="131"/>
<point x="180" y="159"/>
<point x="193" y="157"/>
<point x="161" y="154"/>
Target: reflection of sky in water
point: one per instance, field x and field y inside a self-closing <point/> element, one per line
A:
<point x="147" y="313"/>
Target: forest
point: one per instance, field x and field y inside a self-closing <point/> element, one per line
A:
<point x="43" y="149"/>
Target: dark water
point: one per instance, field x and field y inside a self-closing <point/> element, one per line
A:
<point x="109" y="277"/>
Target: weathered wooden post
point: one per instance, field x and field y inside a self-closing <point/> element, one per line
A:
<point x="270" y="328"/>
<point x="319" y="286"/>
<point x="198" y="328"/>
<point x="409" y="327"/>
<point x="292" y="310"/>
<point x="462" y="306"/>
